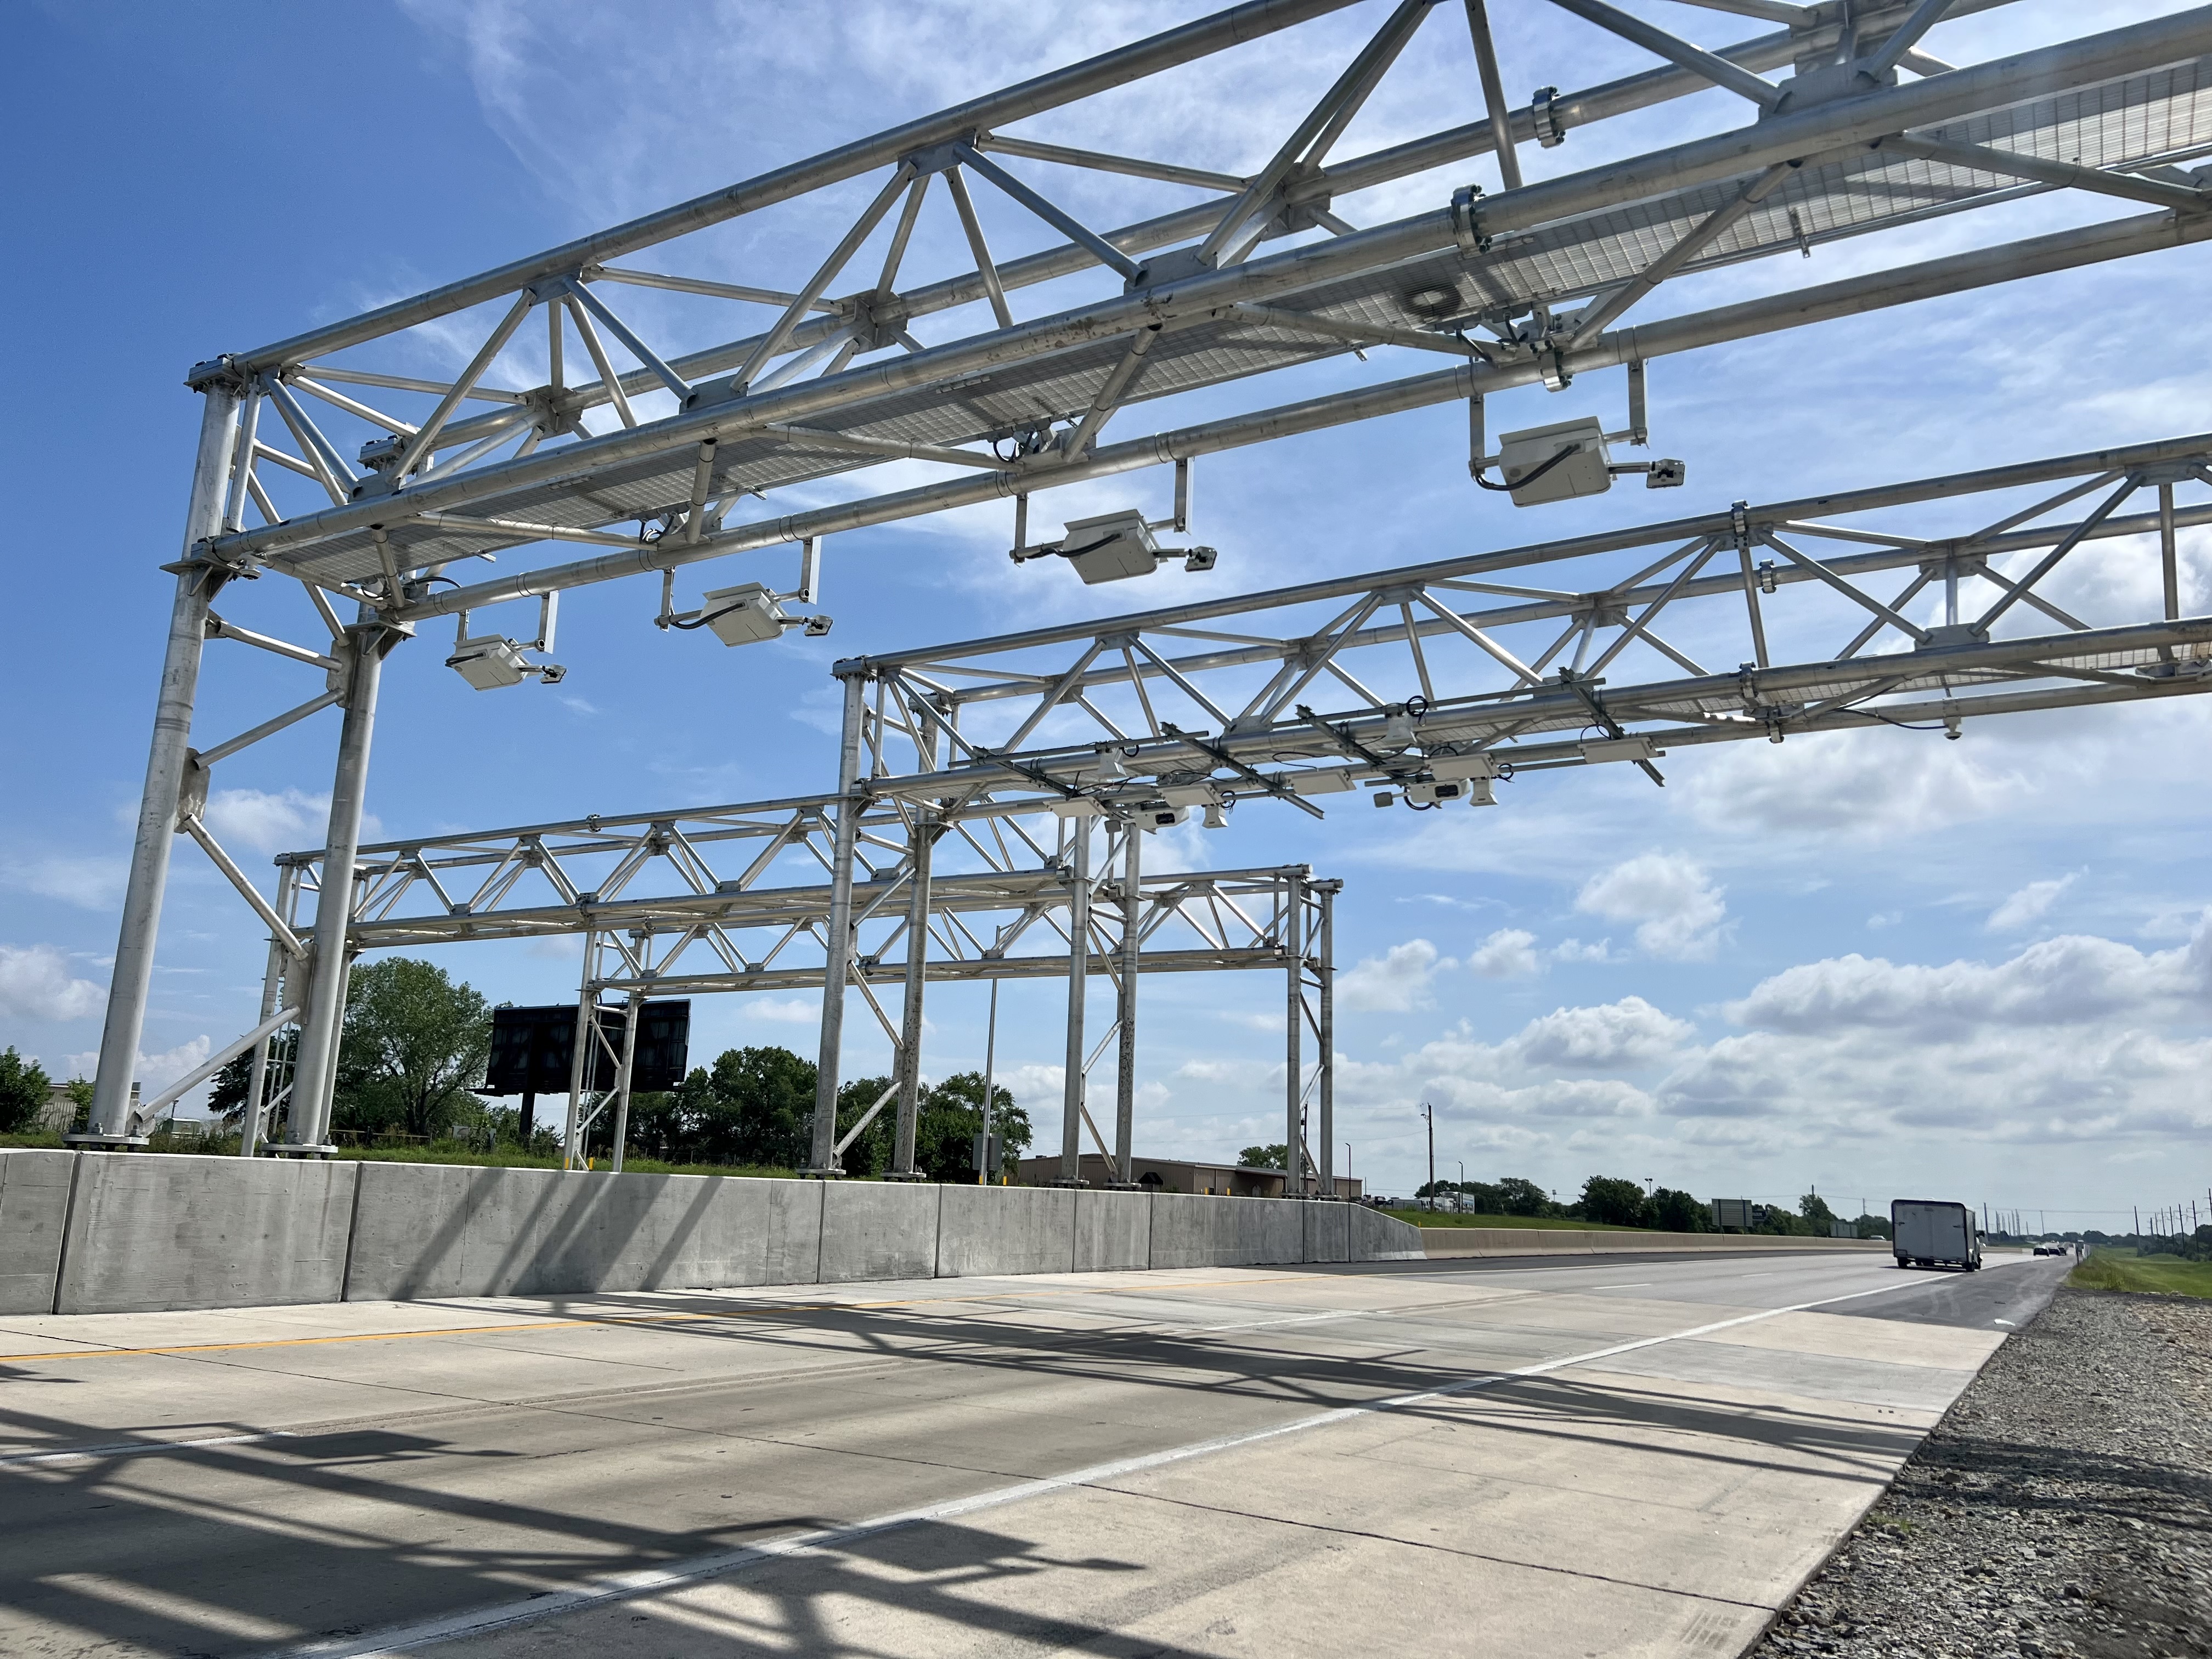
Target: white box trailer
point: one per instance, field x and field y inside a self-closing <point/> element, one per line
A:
<point x="1928" y="1232"/>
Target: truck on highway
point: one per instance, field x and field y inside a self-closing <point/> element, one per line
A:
<point x="1927" y="1233"/>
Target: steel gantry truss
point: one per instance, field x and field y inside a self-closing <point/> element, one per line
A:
<point x="371" y="483"/>
<point x="1440" y="681"/>
<point x="1214" y="700"/>
<point x="926" y="901"/>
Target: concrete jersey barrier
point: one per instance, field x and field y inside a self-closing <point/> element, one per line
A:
<point x="92" y="1232"/>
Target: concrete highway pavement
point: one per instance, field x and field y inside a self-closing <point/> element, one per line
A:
<point x="1622" y="1457"/>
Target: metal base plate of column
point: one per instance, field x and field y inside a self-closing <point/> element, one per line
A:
<point x="300" y="1149"/>
<point x="91" y="1143"/>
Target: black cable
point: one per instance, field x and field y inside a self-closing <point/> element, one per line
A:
<point x="701" y="620"/>
<point x="1527" y="478"/>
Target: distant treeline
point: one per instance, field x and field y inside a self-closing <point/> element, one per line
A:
<point x="1615" y="1201"/>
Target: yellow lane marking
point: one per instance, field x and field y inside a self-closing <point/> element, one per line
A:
<point x="643" y="1319"/>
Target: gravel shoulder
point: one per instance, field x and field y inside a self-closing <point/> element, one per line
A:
<point x="2063" y="1506"/>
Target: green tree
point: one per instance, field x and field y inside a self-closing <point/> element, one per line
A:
<point x="1516" y="1196"/>
<point x="1819" y="1219"/>
<point x="413" y="1042"/>
<point x="756" y="1106"/>
<point x="1873" y="1226"/>
<point x="870" y="1154"/>
<point x="1277" y="1157"/>
<point x="23" y="1091"/>
<point x="1613" y="1201"/>
<point x="227" y="1096"/>
<point x="951" y="1116"/>
<point x="1678" y="1212"/>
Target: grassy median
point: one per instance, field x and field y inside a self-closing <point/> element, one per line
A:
<point x="1421" y="1217"/>
<point x="2156" y="1276"/>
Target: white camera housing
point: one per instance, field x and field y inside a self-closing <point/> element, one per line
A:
<point x="1585" y="472"/>
<point x="488" y="662"/>
<point x="744" y="615"/>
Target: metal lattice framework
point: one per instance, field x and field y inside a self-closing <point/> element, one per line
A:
<point x="1231" y="275"/>
<point x="657" y="919"/>
<point x="1437" y="682"/>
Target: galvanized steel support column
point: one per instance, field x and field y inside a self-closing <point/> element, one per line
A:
<point x="582" y="1060"/>
<point x="1325" y="894"/>
<point x="923" y="837"/>
<point x="315" y="1073"/>
<point x="636" y="1013"/>
<point x="281" y="963"/>
<point x="1125" y="1081"/>
<point x="166" y="763"/>
<point x="1294" y="1174"/>
<point x="838" y="932"/>
<point x="1079" y="965"/>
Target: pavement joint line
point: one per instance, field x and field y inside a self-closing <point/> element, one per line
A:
<point x="623" y="1586"/>
<point x="96" y="1352"/>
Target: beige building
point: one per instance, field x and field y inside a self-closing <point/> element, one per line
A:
<point x="1163" y="1175"/>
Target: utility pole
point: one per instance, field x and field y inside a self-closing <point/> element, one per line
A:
<point x="1429" y="1113"/>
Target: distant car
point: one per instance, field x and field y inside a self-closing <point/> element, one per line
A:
<point x="2054" y="1249"/>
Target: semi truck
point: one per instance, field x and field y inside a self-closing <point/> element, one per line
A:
<point x="1928" y="1232"/>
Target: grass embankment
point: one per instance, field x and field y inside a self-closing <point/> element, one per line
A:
<point x="2158" y="1275"/>
<point x="1421" y="1217"/>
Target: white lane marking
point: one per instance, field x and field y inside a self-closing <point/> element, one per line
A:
<point x="138" y="1447"/>
<point x="1291" y="1319"/>
<point x="1633" y="1284"/>
<point x="404" y="1638"/>
<point x="2001" y="1321"/>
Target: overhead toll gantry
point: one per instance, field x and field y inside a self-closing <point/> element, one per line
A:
<point x="374" y="487"/>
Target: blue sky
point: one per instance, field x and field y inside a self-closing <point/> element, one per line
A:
<point x="1871" y="965"/>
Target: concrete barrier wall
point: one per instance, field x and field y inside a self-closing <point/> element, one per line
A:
<point x="152" y="1232"/>
<point x="445" y="1229"/>
<point x="1112" y="1231"/>
<point x="34" y="1191"/>
<point x="1373" y="1237"/>
<point x="1006" y="1229"/>
<point x="878" y="1229"/>
<point x="106" y="1233"/>
<point x="1576" y="1240"/>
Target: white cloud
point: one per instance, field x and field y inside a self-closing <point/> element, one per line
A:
<point x="2068" y="981"/>
<point x="2074" y="1039"/>
<point x="1677" y="908"/>
<point x="1867" y="785"/>
<point x="1614" y="1037"/>
<point x="1508" y="953"/>
<point x="35" y="983"/>
<point x="1396" y="982"/>
<point x="287" y="820"/>
<point x="155" y="1072"/>
<point x="92" y="884"/>
<point x="781" y="1011"/>
<point x="1573" y="950"/>
<point x="2028" y="906"/>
